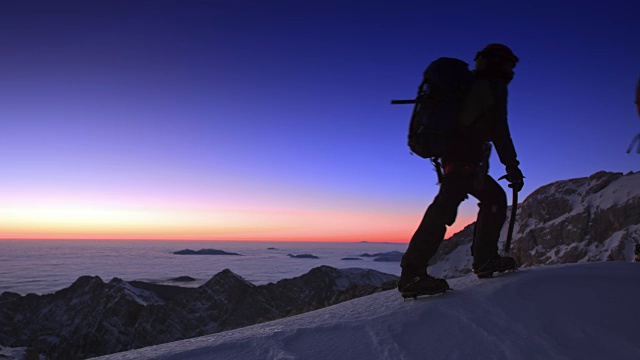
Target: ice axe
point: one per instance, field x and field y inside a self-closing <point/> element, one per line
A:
<point x="512" y="220"/>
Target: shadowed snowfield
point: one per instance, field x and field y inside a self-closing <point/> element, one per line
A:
<point x="577" y="311"/>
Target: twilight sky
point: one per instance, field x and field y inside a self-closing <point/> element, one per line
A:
<point x="270" y="120"/>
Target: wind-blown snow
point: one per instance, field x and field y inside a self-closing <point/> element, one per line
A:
<point x="142" y="297"/>
<point x="619" y="191"/>
<point x="578" y="311"/>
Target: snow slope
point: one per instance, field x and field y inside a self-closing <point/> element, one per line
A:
<point x="577" y="311"/>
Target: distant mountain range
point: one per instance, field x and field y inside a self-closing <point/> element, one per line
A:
<point x="92" y="318"/>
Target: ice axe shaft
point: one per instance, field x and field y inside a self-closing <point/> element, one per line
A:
<point x="512" y="219"/>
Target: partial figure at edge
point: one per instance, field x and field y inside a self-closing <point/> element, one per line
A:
<point x="636" y="139"/>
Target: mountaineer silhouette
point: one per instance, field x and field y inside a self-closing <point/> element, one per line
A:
<point x="458" y="113"/>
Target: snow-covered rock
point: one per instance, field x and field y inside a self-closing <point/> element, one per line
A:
<point x="578" y="220"/>
<point x="587" y="219"/>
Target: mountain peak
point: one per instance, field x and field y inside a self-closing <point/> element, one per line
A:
<point x="225" y="280"/>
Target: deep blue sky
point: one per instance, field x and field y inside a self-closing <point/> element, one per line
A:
<point x="245" y="106"/>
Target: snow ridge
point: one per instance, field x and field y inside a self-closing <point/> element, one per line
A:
<point x="577" y="311"/>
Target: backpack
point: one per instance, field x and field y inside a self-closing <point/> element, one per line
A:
<point x="440" y="96"/>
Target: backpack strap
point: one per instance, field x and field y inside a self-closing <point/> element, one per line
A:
<point x="438" y="167"/>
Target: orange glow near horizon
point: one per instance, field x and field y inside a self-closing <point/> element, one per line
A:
<point x="89" y="223"/>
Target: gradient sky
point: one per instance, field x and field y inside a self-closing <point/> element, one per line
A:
<point x="270" y="120"/>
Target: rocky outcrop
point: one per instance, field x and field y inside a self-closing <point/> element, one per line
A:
<point x="87" y="318"/>
<point x="93" y="318"/>
<point x="588" y="219"/>
<point x="596" y="218"/>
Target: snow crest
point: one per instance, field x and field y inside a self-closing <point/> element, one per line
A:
<point x="577" y="311"/>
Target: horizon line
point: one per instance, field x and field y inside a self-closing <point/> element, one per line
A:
<point x="203" y="240"/>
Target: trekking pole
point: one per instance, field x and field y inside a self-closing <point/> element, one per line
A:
<point x="512" y="220"/>
<point x="635" y="140"/>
